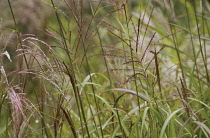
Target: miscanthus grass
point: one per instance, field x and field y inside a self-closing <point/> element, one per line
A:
<point x="136" y="69"/>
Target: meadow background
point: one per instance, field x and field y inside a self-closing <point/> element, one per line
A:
<point x="105" y="68"/>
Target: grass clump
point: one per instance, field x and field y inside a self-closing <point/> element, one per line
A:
<point x="108" y="69"/>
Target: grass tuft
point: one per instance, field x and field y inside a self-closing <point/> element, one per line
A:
<point x="130" y="69"/>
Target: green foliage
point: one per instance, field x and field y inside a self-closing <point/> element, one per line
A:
<point x="106" y="69"/>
